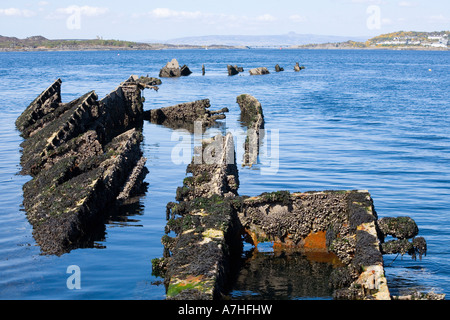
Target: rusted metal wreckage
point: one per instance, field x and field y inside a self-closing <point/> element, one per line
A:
<point x="84" y="158"/>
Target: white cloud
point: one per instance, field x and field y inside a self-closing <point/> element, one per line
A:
<point x="206" y="17"/>
<point x="266" y="18"/>
<point x="440" y="18"/>
<point x="15" y="12"/>
<point x="368" y="1"/>
<point x="164" y="13"/>
<point x="84" y="10"/>
<point x="407" y="4"/>
<point x="297" y="18"/>
<point x="387" y="22"/>
<point x="43" y="3"/>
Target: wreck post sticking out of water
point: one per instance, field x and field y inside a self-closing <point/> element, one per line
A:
<point x="185" y="115"/>
<point x="84" y="156"/>
<point x="197" y="260"/>
<point x="252" y="117"/>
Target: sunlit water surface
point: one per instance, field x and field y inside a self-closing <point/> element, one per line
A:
<point x="373" y="120"/>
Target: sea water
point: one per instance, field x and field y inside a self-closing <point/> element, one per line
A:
<point x="352" y="119"/>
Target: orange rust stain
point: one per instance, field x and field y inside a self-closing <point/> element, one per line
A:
<point x="316" y="241"/>
<point x="252" y="236"/>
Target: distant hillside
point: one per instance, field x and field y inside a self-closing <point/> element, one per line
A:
<point x="288" y="39"/>
<point x="438" y="40"/>
<point x="37" y="43"/>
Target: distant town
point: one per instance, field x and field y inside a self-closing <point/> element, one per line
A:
<point x="402" y="40"/>
<point x="430" y="40"/>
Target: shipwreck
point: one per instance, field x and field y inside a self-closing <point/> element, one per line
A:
<point x="85" y="157"/>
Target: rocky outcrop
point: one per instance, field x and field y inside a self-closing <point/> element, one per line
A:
<point x="258" y="71"/>
<point x="252" y="117"/>
<point x="185" y="71"/>
<point x="184" y="115"/>
<point x="82" y="156"/>
<point x="234" y="70"/>
<point x="402" y="228"/>
<point x="297" y="67"/>
<point x="172" y="69"/>
<point x="278" y="68"/>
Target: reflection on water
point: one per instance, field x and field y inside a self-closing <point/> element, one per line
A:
<point x="116" y="216"/>
<point x="282" y="275"/>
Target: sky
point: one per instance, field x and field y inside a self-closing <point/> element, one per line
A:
<point x="143" y="20"/>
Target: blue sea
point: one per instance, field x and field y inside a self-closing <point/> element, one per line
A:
<point x="372" y="120"/>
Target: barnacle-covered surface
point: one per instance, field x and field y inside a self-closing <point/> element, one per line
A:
<point x="81" y="155"/>
<point x="186" y="115"/>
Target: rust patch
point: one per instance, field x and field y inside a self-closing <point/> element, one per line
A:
<point x="316" y="241"/>
<point x="253" y="237"/>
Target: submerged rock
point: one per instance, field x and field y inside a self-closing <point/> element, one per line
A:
<point x="297" y="67"/>
<point x="259" y="71"/>
<point x="185" y="71"/>
<point x="278" y="68"/>
<point x="82" y="156"/>
<point x="399" y="227"/>
<point x="234" y="70"/>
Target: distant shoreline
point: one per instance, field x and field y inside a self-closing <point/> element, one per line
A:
<point x="402" y="40"/>
<point x="213" y="48"/>
<point x="101" y="48"/>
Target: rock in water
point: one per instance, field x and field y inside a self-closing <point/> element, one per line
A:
<point x="278" y="68"/>
<point x="297" y="67"/>
<point x="259" y="71"/>
<point x="185" y="71"/>
<point x="232" y="70"/>
<point x="170" y="70"/>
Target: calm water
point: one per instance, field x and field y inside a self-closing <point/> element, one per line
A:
<point x="375" y="120"/>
